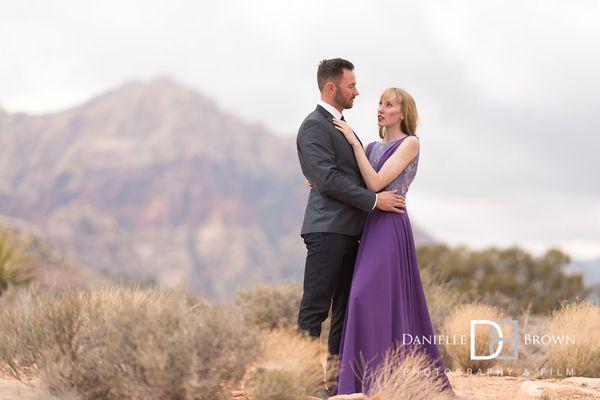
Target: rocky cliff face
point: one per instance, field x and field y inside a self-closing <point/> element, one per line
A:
<point x="153" y="181"/>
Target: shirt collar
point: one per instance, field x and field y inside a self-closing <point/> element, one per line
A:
<point x="331" y="109"/>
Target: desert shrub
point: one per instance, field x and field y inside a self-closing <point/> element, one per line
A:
<point x="581" y="320"/>
<point x="288" y="367"/>
<point x="26" y="334"/>
<point x="532" y="356"/>
<point x="459" y="322"/>
<point x="510" y="278"/>
<point x="126" y="344"/>
<point x="13" y="269"/>
<point x="441" y="297"/>
<point x="406" y="376"/>
<point x="271" y="306"/>
<point x="277" y="385"/>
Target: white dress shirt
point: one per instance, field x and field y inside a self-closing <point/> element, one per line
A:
<point x="332" y="110"/>
<point x="338" y="115"/>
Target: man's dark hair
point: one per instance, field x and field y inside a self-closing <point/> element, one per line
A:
<point x="332" y="70"/>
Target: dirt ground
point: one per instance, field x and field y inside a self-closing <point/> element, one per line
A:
<point x="515" y="388"/>
<point x="472" y="387"/>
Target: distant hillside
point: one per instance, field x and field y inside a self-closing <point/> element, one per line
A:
<point x="153" y="181"/>
<point x="48" y="266"/>
<point x="590" y="270"/>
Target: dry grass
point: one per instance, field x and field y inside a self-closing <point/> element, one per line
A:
<point x="458" y="323"/>
<point x="271" y="306"/>
<point x="121" y="343"/>
<point x="532" y="356"/>
<point x="581" y="320"/>
<point x="406" y="376"/>
<point x="164" y="344"/>
<point x="441" y="297"/>
<point x="288" y="368"/>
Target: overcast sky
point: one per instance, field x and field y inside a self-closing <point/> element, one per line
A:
<point x="508" y="91"/>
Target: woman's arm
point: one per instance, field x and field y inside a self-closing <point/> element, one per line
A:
<point x="393" y="166"/>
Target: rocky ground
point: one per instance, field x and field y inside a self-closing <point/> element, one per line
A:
<point x="471" y="387"/>
<point x="513" y="388"/>
<point x="12" y="389"/>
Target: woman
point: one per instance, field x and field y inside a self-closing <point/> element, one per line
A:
<point x="386" y="299"/>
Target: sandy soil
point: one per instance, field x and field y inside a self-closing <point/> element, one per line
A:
<point x="472" y="387"/>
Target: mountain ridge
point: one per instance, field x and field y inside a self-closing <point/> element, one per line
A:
<point x="153" y="180"/>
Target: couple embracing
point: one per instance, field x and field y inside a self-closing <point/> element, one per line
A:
<point x="361" y="259"/>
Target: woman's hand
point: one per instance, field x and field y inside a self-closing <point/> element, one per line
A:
<point x="343" y="127"/>
<point x="307" y="182"/>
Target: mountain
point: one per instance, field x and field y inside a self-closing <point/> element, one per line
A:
<point x="44" y="263"/>
<point x="590" y="269"/>
<point x="152" y="180"/>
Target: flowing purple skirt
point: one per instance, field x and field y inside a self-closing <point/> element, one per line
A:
<point x="386" y="301"/>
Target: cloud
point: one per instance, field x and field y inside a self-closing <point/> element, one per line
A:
<point x="507" y="91"/>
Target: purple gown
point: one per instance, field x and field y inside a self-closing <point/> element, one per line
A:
<point x="386" y="298"/>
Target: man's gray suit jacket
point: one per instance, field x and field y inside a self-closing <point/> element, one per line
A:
<point x="338" y="201"/>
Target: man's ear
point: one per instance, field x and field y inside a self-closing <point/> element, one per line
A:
<point x="330" y="87"/>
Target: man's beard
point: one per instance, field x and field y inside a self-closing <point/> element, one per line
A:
<point x="345" y="103"/>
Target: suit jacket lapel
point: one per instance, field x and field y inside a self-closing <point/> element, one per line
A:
<point x="329" y="117"/>
<point x="323" y="111"/>
<point x="358" y="139"/>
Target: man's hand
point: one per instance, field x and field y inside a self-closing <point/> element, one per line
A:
<point x="389" y="201"/>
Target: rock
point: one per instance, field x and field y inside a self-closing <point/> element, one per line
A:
<point x="530" y="388"/>
<point x="460" y="395"/>
<point x="12" y="389"/>
<point x="355" y="396"/>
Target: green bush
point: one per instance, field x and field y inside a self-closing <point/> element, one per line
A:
<point x="508" y="278"/>
<point x="13" y="271"/>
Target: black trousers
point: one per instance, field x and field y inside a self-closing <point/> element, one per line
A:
<point x="327" y="279"/>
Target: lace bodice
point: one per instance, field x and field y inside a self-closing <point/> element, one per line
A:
<point x="402" y="181"/>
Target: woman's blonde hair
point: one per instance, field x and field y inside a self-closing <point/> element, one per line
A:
<point x="408" y="125"/>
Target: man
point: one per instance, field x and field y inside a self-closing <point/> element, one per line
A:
<point x="337" y="206"/>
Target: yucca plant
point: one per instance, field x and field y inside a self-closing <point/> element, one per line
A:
<point x="13" y="269"/>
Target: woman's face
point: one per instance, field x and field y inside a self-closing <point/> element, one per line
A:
<point x="389" y="112"/>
